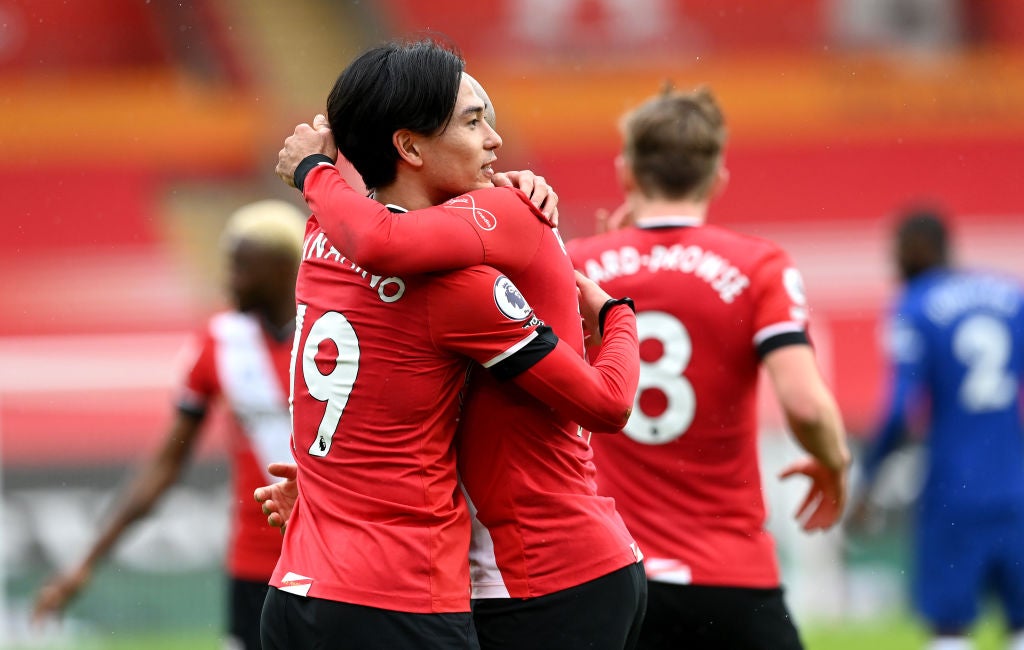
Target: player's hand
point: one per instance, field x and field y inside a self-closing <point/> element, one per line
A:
<point x="536" y="188"/>
<point x="57" y="593"/>
<point x="279" y="498"/>
<point x="305" y="141"/>
<point x="592" y="299"/>
<point x="619" y="218"/>
<point x="826" y="497"/>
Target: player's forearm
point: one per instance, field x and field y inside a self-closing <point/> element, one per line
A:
<point x="385" y="242"/>
<point x="810" y="410"/>
<point x="820" y="431"/>
<point x="149" y="484"/>
<point x="883" y="443"/>
<point x="618" y="362"/>
<point x="600" y="397"/>
<point x="134" y="504"/>
<point x="891" y="431"/>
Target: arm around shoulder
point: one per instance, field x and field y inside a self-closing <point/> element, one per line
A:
<point x="437" y="238"/>
<point x="599" y="396"/>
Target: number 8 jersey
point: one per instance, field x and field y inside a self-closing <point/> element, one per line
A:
<point x="684" y="474"/>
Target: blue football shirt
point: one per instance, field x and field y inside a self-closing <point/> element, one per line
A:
<point x="956" y="344"/>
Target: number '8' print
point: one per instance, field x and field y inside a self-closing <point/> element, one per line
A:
<point x="664" y="374"/>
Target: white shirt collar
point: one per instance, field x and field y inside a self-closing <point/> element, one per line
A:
<point x="670" y="221"/>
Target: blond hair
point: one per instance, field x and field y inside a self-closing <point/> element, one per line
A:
<point x="276" y="224"/>
<point x="674" y="143"/>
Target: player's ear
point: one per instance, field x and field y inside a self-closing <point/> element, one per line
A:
<point x="721" y="180"/>
<point x="625" y="174"/>
<point x="407" y="143"/>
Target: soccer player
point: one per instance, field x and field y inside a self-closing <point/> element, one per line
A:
<point x="956" y="341"/>
<point x="376" y="547"/>
<point x="242" y="357"/>
<point x="713" y="306"/>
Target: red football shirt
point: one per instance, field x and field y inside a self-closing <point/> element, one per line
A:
<point x="685" y="476"/>
<point x="238" y="360"/>
<point x="527" y="469"/>
<point x="379" y="363"/>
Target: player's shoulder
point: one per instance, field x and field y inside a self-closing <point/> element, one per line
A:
<point x="597" y="242"/>
<point x="232" y="327"/>
<point x="698" y="234"/>
<point x="232" y="319"/>
<point x="751" y="245"/>
<point x="477" y="288"/>
<point x="464" y="279"/>
<point x="503" y="200"/>
<point x="996" y="279"/>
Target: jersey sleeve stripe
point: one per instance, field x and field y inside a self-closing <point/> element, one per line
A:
<point x="785" y="327"/>
<point x="191" y="401"/>
<point x="192" y="409"/>
<point x="510" y="351"/>
<point x="781" y="341"/>
<point x="523" y="355"/>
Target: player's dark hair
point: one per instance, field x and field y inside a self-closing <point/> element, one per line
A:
<point x="927" y="225"/>
<point x="398" y="85"/>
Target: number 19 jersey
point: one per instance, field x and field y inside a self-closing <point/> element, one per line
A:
<point x="376" y="372"/>
<point x="684" y="474"/>
<point x="540" y="527"/>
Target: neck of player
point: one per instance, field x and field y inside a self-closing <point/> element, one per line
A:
<point x="651" y="209"/>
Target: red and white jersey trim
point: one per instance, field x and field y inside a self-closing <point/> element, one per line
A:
<point x="670" y="221"/>
<point x="510" y="351"/>
<point x="674" y="572"/>
<point x="296" y="584"/>
<point x="250" y="384"/>
<point x="784" y="327"/>
<point x="483" y="564"/>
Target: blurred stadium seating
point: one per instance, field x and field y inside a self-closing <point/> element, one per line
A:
<point x="128" y="131"/>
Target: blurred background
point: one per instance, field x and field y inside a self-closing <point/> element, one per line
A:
<point x="130" y="129"/>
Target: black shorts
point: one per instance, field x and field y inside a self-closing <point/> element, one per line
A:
<point x="245" y="605"/>
<point x="603" y="614"/>
<point x="704" y="618"/>
<point x="291" y="622"/>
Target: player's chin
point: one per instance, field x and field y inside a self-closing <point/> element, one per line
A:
<point x="486" y="177"/>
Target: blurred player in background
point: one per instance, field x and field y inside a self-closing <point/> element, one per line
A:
<point x="375" y="552"/>
<point x="242" y="358"/>
<point x="956" y="343"/>
<point x="713" y="306"/>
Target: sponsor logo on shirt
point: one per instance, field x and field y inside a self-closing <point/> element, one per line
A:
<point x="509" y="300"/>
<point x="484" y="219"/>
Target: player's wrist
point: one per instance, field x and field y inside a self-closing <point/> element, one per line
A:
<point x="608" y="306"/>
<point x="308" y="164"/>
